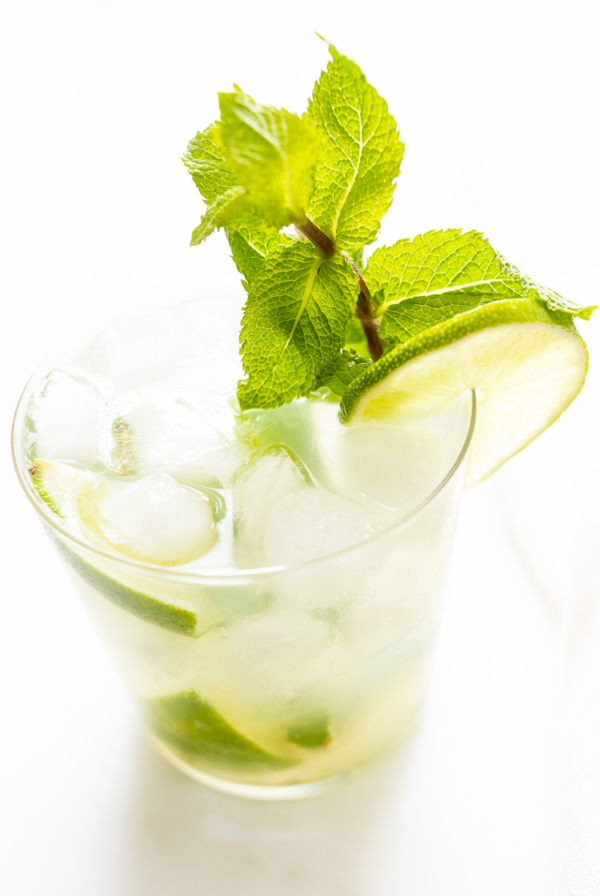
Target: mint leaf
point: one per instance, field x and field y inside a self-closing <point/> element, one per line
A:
<point x="123" y="453"/>
<point x="272" y="153"/>
<point x="203" y="158"/>
<point x="225" y="197"/>
<point x="553" y="300"/>
<point x="419" y="283"/>
<point x="294" y="323"/>
<point x="359" y="155"/>
<point x="227" y="207"/>
<point x="249" y="238"/>
<point x="355" y="338"/>
<point x="250" y="244"/>
<point x="342" y="370"/>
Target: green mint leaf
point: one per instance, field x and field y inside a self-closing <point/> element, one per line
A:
<point x="226" y="208"/>
<point x="342" y="370"/>
<point x="272" y="153"/>
<point x="355" y="338"/>
<point x="419" y="283"/>
<point x="359" y="155"/>
<point x="203" y="158"/>
<point x="294" y="323"/>
<point x="249" y="238"/>
<point x="553" y="300"/>
<point x="250" y="244"/>
<point x="225" y="197"/>
<point x="123" y="453"/>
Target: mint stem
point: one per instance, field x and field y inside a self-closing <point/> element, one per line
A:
<point x="316" y="236"/>
<point x="365" y="310"/>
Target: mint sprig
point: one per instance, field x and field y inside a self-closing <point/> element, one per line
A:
<point x="313" y="313"/>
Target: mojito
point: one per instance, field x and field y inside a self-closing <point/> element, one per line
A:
<point x="258" y="507"/>
<point x="268" y="595"/>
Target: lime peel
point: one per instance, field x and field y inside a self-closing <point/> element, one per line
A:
<point x="525" y="362"/>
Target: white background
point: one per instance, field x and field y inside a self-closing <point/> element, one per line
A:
<point x="498" y="105"/>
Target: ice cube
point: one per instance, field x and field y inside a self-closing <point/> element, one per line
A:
<point x="295" y="426"/>
<point x="391" y="611"/>
<point x="146" y="348"/>
<point x="397" y="607"/>
<point x="189" y="435"/>
<point x="311" y="523"/>
<point x="153" y="519"/>
<point x="277" y="655"/>
<point x="256" y="489"/>
<point x="396" y="466"/>
<point x="65" y="415"/>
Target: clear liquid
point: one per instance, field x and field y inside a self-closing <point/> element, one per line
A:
<point x="293" y="675"/>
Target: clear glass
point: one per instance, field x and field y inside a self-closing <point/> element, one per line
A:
<point x="274" y="683"/>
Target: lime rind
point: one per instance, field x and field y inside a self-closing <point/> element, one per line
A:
<point x="58" y="487"/>
<point x="190" y="725"/>
<point x="37" y="470"/>
<point x="58" y="484"/>
<point x="148" y="609"/>
<point x="494" y="314"/>
<point x="525" y="362"/>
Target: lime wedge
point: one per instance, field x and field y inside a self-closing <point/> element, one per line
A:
<point x="525" y="362"/>
<point x="191" y="725"/>
<point x="174" y="619"/>
<point x="58" y="484"/>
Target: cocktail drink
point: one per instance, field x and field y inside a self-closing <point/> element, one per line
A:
<point x="262" y="541"/>
<point x="269" y="597"/>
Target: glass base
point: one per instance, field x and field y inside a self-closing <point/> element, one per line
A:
<point x="280" y="792"/>
<point x="257" y="791"/>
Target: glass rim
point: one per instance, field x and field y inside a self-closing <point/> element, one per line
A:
<point x="220" y="573"/>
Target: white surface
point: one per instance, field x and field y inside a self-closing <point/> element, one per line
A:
<point x="550" y="501"/>
<point x="474" y="805"/>
<point x="496" y="102"/>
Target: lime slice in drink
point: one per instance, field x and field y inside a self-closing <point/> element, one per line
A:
<point x="58" y="484"/>
<point x="525" y="362"/>
<point x="191" y="725"/>
<point x="149" y="609"/>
